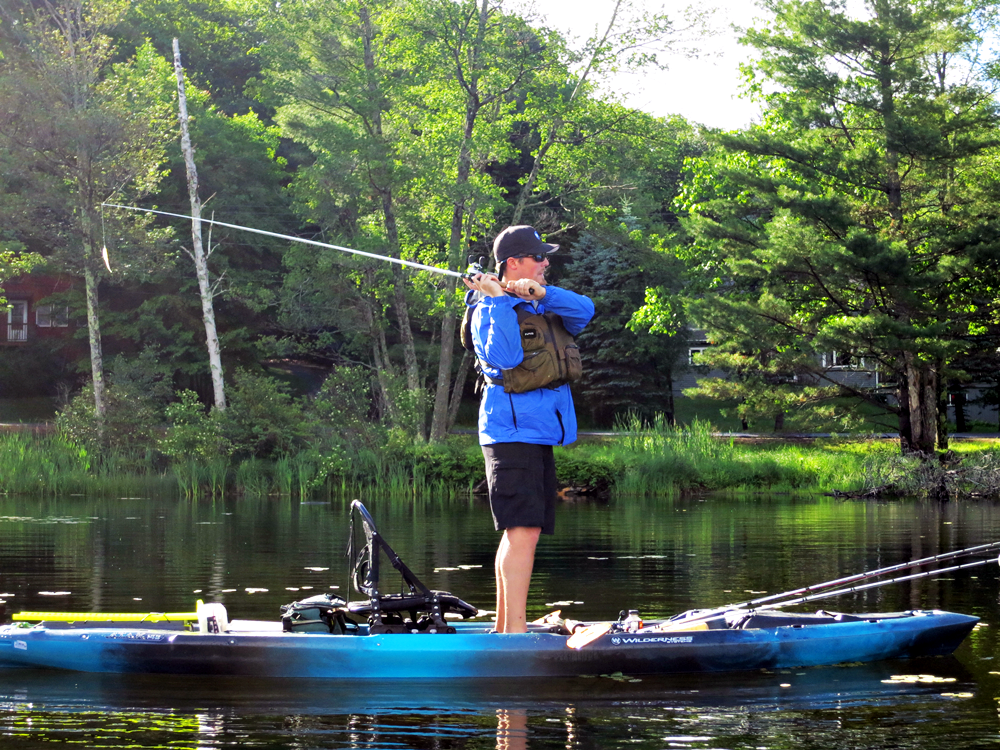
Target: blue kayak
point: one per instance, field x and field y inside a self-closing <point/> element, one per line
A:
<point x="264" y="649"/>
<point x="423" y="634"/>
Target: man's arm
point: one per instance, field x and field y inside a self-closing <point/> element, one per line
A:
<point x="574" y="309"/>
<point x="496" y="333"/>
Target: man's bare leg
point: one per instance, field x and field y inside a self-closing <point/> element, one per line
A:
<point x="501" y="602"/>
<point x="514" y="562"/>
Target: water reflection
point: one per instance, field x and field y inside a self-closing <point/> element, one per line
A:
<point x="657" y="556"/>
<point x="512" y="729"/>
<point x="725" y="711"/>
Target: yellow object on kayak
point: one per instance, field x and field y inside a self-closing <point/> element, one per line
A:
<point x="105" y="616"/>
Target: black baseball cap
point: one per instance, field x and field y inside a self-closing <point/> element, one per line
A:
<point x="520" y="240"/>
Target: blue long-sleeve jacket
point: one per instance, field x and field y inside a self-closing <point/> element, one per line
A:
<point x="544" y="416"/>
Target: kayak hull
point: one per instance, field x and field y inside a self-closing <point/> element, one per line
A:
<point x="259" y="649"/>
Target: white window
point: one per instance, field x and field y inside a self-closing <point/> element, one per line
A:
<point x="693" y="353"/>
<point x="839" y="361"/>
<point x="51" y="316"/>
<point x="17" y="320"/>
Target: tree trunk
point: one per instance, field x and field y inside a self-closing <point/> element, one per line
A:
<point x="94" y="334"/>
<point x="918" y="398"/>
<point x="961" y="423"/>
<point x="90" y="282"/>
<point x="387" y="406"/>
<point x="198" y="253"/>
<point x="459" y="389"/>
<point x="903" y="415"/>
<point x="439" y="418"/>
<point x="671" y="410"/>
<point x="892" y="183"/>
<point x="941" y="412"/>
<point x="381" y="181"/>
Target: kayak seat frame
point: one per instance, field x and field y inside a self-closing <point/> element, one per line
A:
<point x="416" y="608"/>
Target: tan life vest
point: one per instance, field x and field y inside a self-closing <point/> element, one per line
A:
<point x="551" y="356"/>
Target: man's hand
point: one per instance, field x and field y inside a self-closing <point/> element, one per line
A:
<point x="485" y="283"/>
<point x="528" y="289"/>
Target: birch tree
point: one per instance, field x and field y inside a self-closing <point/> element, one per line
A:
<point x="198" y="253"/>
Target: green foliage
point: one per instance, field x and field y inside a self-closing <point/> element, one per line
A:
<point x="137" y="393"/>
<point x="135" y="399"/>
<point x="343" y="406"/>
<point x="452" y="463"/>
<point x="858" y="217"/>
<point x="262" y="419"/>
<point x="218" y="40"/>
<point x="50" y="465"/>
<point x="14" y="262"/>
<point x="193" y="434"/>
<point x="33" y="369"/>
<point x="624" y="368"/>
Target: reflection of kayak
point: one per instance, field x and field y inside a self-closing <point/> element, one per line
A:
<point x="408" y="635"/>
<point x="51" y="692"/>
<point x="263" y="649"/>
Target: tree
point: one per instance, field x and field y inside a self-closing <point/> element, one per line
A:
<point x="562" y="111"/>
<point x="222" y="41"/>
<point x="625" y="370"/>
<point x="336" y="86"/>
<point x="14" y="262"/>
<point x="404" y="105"/>
<point x="199" y="255"/>
<point x="84" y="129"/>
<point x="859" y="217"/>
<point x="476" y="58"/>
<point x="242" y="175"/>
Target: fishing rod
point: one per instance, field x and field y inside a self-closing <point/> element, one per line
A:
<point x="866" y="575"/>
<point x="876" y="584"/>
<point x="474" y="268"/>
<point x="810" y="591"/>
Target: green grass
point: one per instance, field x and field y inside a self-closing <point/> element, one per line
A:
<point x="655" y="460"/>
<point x="640" y="460"/>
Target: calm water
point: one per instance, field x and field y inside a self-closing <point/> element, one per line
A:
<point x="660" y="557"/>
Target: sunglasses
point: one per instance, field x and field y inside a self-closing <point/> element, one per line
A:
<point x="538" y="257"/>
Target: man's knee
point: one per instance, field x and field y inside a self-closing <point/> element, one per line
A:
<point x="523" y="535"/>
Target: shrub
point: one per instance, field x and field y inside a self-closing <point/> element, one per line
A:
<point x="262" y="419"/>
<point x="127" y="434"/>
<point x="194" y="433"/>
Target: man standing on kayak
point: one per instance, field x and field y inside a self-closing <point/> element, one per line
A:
<point x="522" y="331"/>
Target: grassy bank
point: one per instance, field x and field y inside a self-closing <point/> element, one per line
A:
<point x="639" y="461"/>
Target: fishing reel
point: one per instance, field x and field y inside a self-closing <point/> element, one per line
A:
<point x="478" y="267"/>
<point x="475" y="268"/>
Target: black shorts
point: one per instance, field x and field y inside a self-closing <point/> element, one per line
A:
<point x="522" y="482"/>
